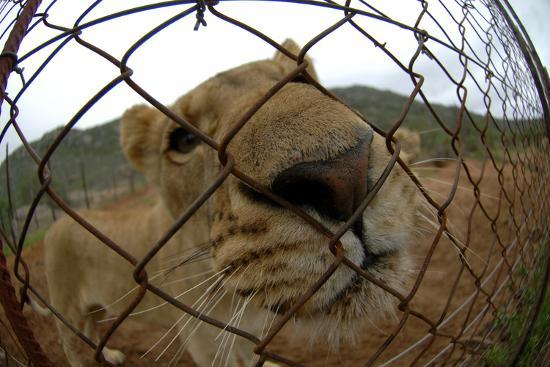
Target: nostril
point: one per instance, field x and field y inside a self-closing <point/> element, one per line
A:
<point x="334" y="187"/>
<point x="300" y="188"/>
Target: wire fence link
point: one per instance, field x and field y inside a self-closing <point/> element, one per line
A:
<point x="481" y="254"/>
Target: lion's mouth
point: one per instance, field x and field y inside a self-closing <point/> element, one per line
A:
<point x="354" y="286"/>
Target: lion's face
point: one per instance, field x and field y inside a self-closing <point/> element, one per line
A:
<point x="307" y="148"/>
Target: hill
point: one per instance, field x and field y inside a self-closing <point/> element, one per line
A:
<point x="93" y="156"/>
<point x="383" y="108"/>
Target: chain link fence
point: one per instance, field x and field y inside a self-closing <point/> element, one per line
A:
<point x="481" y="254"/>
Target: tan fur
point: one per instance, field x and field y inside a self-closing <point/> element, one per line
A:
<point x="410" y="143"/>
<point x="267" y="250"/>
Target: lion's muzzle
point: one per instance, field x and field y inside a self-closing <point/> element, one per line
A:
<point x="334" y="187"/>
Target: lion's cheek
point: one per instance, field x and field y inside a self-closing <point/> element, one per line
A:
<point x="177" y="187"/>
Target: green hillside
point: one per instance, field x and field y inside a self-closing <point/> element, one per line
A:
<point x="92" y="155"/>
<point x="383" y="109"/>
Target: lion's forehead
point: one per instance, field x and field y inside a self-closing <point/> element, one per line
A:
<point x="249" y="75"/>
<point x="298" y="124"/>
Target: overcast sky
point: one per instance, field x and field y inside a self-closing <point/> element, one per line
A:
<point x="177" y="59"/>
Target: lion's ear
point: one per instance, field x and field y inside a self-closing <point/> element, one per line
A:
<point x="290" y="64"/>
<point x="410" y="143"/>
<point x="141" y="130"/>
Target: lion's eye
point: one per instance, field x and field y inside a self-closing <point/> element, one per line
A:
<point x="183" y="141"/>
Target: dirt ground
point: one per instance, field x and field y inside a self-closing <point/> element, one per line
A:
<point x="406" y="332"/>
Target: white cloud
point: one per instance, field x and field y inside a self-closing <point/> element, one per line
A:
<point x="178" y="58"/>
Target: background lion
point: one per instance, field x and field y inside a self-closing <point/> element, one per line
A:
<point x="242" y="258"/>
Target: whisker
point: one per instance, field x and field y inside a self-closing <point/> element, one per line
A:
<point x="222" y="342"/>
<point x="427" y="271"/>
<point x="227" y="335"/>
<point x="121" y="298"/>
<point x="440" y="195"/>
<point x="236" y="315"/>
<point x="424" y="230"/>
<point x="176" y="297"/>
<point x="181" y="318"/>
<point x="431" y="160"/>
<point x="272" y="320"/>
<point x="460" y="187"/>
<point x="176" y="255"/>
<point x="200" y="299"/>
<point x="177" y="356"/>
<point x="163" y="336"/>
<point x="431" y="168"/>
<point x="234" y="337"/>
<point x="238" y="282"/>
<point x="430" y="221"/>
<point x="466" y="248"/>
<point x="194" y="257"/>
<point x="190" y="318"/>
<point x="233" y="300"/>
<point x="221" y="348"/>
<point x="436" y="227"/>
<point x="374" y="324"/>
<point x="189" y="277"/>
<point x="232" y="318"/>
<point x="204" y="298"/>
<point x="157" y="274"/>
<point x="199" y="322"/>
<point x="453" y="239"/>
<point x="450" y="227"/>
<point x="448" y="233"/>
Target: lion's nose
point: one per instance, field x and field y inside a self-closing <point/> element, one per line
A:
<point x="333" y="187"/>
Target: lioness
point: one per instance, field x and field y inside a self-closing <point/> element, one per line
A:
<point x="242" y="258"/>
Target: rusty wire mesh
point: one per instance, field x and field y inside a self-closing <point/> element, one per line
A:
<point x="500" y="241"/>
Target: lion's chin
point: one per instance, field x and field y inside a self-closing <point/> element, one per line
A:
<point x="340" y="316"/>
<point x="354" y="286"/>
<point x="340" y="323"/>
<point x="344" y="304"/>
